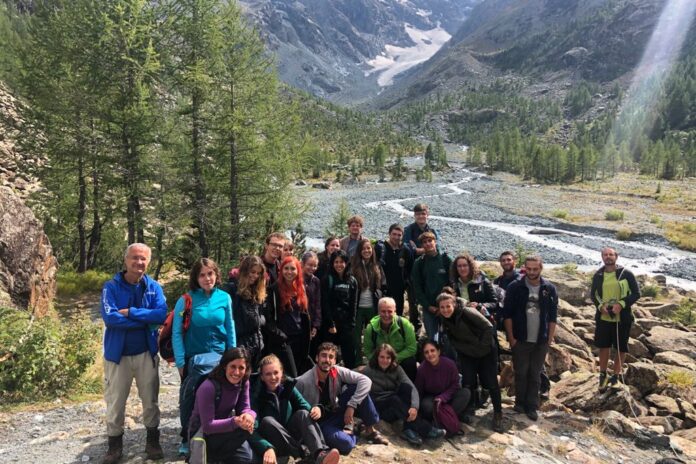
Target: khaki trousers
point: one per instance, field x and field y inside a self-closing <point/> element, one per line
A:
<point x="118" y="379"/>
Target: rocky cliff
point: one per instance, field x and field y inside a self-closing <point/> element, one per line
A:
<point x="27" y="265"/>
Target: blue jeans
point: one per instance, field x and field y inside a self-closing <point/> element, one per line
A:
<point x="332" y="424"/>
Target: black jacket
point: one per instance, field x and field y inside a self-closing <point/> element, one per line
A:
<point x="396" y="264"/>
<point x="480" y="290"/>
<point x="339" y="301"/>
<point x="630" y="292"/>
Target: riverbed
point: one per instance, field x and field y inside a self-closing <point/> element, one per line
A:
<point x="464" y="208"/>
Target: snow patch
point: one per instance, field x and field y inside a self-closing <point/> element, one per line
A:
<point x="395" y="60"/>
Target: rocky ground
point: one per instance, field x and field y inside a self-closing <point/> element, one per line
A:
<point x="653" y="417"/>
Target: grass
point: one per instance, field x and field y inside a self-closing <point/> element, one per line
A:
<point x="614" y="215"/>
<point x="682" y="234"/>
<point x="598" y="432"/>
<point x="680" y="379"/>
<point x="570" y="268"/>
<point x="71" y="283"/>
<point x="560" y="214"/>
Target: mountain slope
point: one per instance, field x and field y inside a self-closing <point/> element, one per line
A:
<point x="346" y="50"/>
<point x="547" y="40"/>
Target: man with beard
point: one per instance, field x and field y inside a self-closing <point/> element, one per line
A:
<point x="614" y="290"/>
<point x="272" y="252"/>
<point x="323" y="386"/>
<point x="530" y="311"/>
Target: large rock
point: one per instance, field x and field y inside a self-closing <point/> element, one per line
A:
<point x="579" y="392"/>
<point x="675" y="359"/>
<point x="666" y="339"/>
<point x="665" y="405"/>
<point x="27" y="265"/>
<point x="571" y="289"/>
<point x="622" y="426"/>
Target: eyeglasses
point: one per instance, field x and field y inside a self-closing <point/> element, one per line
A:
<point x="276" y="245"/>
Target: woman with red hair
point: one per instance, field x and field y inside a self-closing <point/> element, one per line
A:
<point x="287" y="321"/>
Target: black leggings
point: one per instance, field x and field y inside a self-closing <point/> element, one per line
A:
<point x="483" y="370"/>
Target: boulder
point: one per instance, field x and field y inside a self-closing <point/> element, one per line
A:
<point x="658" y="308"/>
<point x="642" y="375"/>
<point x="571" y="289"/>
<point x="665" y="405"/>
<point x="322" y="185"/>
<point x="675" y="359"/>
<point x="27" y="265"/>
<point x="638" y="350"/>
<point x="558" y="361"/>
<point x="622" y="426"/>
<point x="579" y="392"/>
<point x="565" y="336"/>
<point x="669" y="423"/>
<point x="666" y="339"/>
<point x="566" y="309"/>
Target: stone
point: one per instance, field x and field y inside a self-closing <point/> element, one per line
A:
<point x="580" y="392"/>
<point x="565" y="336"/>
<point x="322" y="185"/>
<point x="575" y="455"/>
<point x="27" y="265"/>
<point x="666" y="339"/>
<point x="571" y="289"/>
<point x="623" y="426"/>
<point x="659" y="309"/>
<point x="483" y="457"/>
<point x="661" y="421"/>
<point x="675" y="359"/>
<point x="666" y="406"/>
<point x="381" y="453"/>
<point x="638" y="350"/>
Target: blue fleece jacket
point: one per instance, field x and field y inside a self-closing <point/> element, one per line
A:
<point x="211" y="328"/>
<point x="147" y="310"/>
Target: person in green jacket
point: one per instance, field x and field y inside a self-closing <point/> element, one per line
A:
<point x="429" y="275"/>
<point x="285" y="422"/>
<point x="398" y="332"/>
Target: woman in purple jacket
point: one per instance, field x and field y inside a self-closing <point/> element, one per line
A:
<point x="224" y="410"/>
<point x="437" y="381"/>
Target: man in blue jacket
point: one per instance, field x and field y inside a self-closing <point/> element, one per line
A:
<point x="530" y="311"/>
<point x="133" y="307"/>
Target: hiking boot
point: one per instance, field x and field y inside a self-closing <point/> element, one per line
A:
<point x="153" y="450"/>
<point x="435" y="433"/>
<point x="603" y="381"/>
<point x="115" y="451"/>
<point x="328" y="456"/>
<point x="412" y="437"/>
<point x="519" y="409"/>
<point x="184" y="448"/>
<point x="498" y="421"/>
<point x="532" y="414"/>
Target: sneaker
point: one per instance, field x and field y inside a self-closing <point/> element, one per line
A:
<point x="412" y="437"/>
<point x="328" y="456"/>
<point x="184" y="448"/>
<point x="603" y="381"/>
<point x="435" y="433"/>
<point x="532" y="414"/>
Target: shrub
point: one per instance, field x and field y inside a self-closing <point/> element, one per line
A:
<point x="614" y="215"/>
<point x="560" y="213"/>
<point x="650" y="290"/>
<point x="655" y="220"/>
<point x="71" y="283"/>
<point x="570" y="268"/>
<point x="624" y="234"/>
<point x="685" y="312"/>
<point x="44" y="358"/>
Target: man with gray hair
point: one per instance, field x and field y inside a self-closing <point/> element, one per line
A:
<point x="614" y="290"/>
<point x="133" y="307"/>
<point x="392" y="329"/>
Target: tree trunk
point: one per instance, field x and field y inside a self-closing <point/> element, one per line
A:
<point x="234" y="186"/>
<point x="81" y="212"/>
<point x="200" y="203"/>
<point x="95" y="234"/>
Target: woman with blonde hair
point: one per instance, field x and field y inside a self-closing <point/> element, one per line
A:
<point x="371" y="282"/>
<point x="286" y="424"/>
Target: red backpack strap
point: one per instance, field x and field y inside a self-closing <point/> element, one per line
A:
<point x="188" y="303"/>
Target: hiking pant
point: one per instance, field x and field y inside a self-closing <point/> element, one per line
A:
<point x="229" y="447"/>
<point x="481" y="371"/>
<point x="345" y="339"/>
<point x="398" y="296"/>
<point x="413" y="309"/>
<point x="301" y="432"/>
<point x="395" y="407"/>
<point x="458" y="402"/>
<point x="431" y="323"/>
<point x="528" y="360"/>
<point x="332" y="423"/>
<point x="118" y="379"/>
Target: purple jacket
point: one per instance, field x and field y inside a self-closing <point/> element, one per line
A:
<point x="441" y="381"/>
<point x="233" y="397"/>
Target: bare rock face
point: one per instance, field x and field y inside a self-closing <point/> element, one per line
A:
<point x="27" y="265"/>
<point x="665" y="339"/>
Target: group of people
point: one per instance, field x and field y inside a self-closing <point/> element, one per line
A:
<point x="278" y="360"/>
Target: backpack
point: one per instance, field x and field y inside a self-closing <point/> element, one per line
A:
<point x="164" y="342"/>
<point x="197" y="445"/>
<point x="399" y="323"/>
<point x="445" y="417"/>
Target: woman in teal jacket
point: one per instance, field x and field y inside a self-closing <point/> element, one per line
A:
<point x="209" y="334"/>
